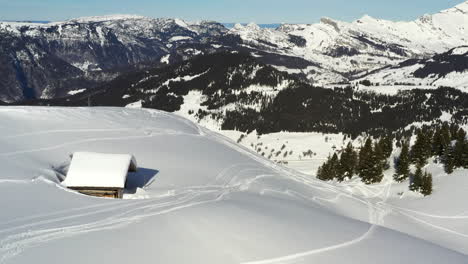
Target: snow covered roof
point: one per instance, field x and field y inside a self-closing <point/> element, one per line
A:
<point x="88" y="169"/>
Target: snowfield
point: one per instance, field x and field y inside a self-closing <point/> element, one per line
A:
<point x="201" y="198"/>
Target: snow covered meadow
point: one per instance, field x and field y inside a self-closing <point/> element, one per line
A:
<point x="202" y="198"/>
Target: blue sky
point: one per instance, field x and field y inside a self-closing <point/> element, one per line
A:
<point x="259" y="11"/>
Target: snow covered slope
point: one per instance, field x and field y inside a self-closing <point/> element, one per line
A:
<point x="342" y="49"/>
<point x="198" y="198"/>
<point x="446" y="69"/>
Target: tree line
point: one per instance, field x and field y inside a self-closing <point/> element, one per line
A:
<point x="446" y="143"/>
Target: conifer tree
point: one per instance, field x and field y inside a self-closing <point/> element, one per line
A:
<point x="365" y="155"/>
<point x="459" y="148"/>
<point x="379" y="154"/>
<point x="370" y="164"/>
<point x="417" y="179"/>
<point x="376" y="169"/>
<point x="420" y="151"/>
<point x="465" y="154"/>
<point x="461" y="134"/>
<point x="326" y="171"/>
<point x="449" y="160"/>
<point x="402" y="164"/>
<point x="348" y="161"/>
<point x="438" y="143"/>
<point x="454" y="130"/>
<point x="426" y="184"/>
<point x="335" y="168"/>
<point x="323" y="172"/>
<point x="445" y="133"/>
<point x="320" y="175"/>
<point x="386" y="144"/>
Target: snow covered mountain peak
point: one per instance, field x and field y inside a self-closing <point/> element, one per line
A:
<point x="181" y="23"/>
<point x="366" y="19"/>
<point x="461" y="8"/>
<point x="252" y="25"/>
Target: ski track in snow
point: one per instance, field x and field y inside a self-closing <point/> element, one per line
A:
<point x="375" y="219"/>
<point x="78" y="130"/>
<point x="448" y="230"/>
<point x="151" y="134"/>
<point x="13" y="245"/>
<point x="458" y="216"/>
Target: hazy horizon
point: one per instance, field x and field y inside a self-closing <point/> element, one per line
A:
<point x="226" y="12"/>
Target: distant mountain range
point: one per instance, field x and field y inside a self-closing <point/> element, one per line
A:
<point x="49" y="60"/>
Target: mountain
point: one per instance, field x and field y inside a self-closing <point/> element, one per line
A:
<point x="49" y="60"/>
<point x="61" y="58"/>
<point x="445" y="69"/>
<point x="233" y="91"/>
<point x="200" y="198"/>
<point x="341" y="50"/>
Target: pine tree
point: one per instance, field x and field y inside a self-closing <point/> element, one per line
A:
<point x="379" y="154"/>
<point x="417" y="179"/>
<point x="446" y="131"/>
<point x="323" y="172"/>
<point x="335" y="168"/>
<point x="449" y="160"/>
<point x="365" y="155"/>
<point x="327" y="172"/>
<point x="461" y="134"/>
<point x="465" y="154"/>
<point x="370" y="164"/>
<point x="320" y="174"/>
<point x="454" y="130"/>
<point x="348" y="161"/>
<point x="386" y="144"/>
<point x="426" y="184"/>
<point x="420" y="151"/>
<point x="438" y="143"/>
<point x="402" y="164"/>
<point x="459" y="148"/>
<point x="376" y="168"/>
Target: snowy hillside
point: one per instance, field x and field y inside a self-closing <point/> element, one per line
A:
<point x="341" y="49"/>
<point x="446" y="69"/>
<point x="233" y="91"/>
<point x="201" y="198"/>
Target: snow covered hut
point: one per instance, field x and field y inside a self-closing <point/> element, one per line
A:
<point x="99" y="174"/>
